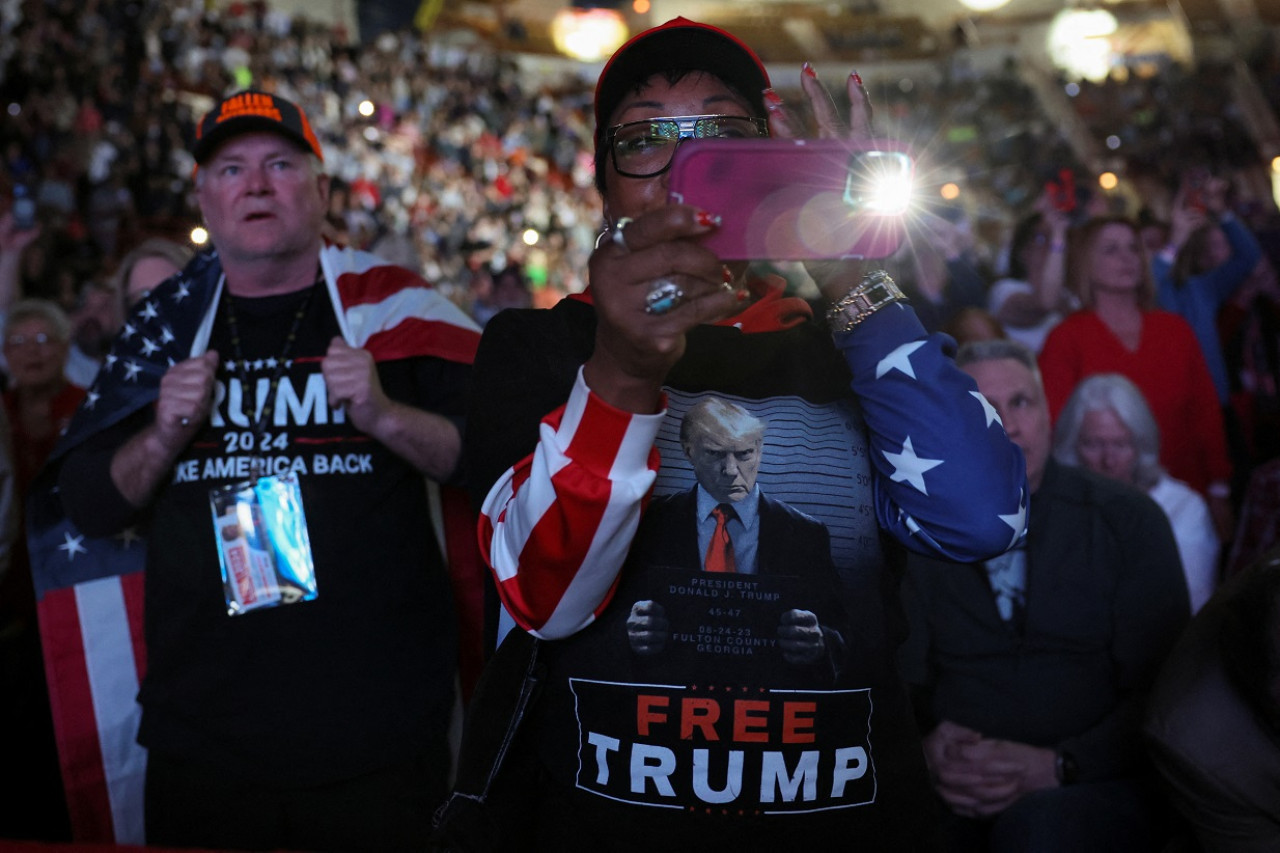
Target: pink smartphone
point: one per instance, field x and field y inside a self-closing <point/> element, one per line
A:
<point x="796" y="199"/>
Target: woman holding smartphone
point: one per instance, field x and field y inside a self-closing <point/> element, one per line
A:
<point x="718" y="674"/>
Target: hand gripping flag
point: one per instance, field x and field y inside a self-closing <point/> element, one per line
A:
<point x="90" y="590"/>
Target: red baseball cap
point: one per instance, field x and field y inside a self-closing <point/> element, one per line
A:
<point x="249" y="111"/>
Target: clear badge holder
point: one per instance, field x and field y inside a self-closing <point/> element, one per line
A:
<point x="263" y="545"/>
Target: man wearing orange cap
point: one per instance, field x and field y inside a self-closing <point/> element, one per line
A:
<point x="268" y="414"/>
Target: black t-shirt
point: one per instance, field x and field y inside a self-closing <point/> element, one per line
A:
<point x="356" y="679"/>
<point x="717" y="742"/>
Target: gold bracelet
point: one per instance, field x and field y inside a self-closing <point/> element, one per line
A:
<point x="875" y="291"/>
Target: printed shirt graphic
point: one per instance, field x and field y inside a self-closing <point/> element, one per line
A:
<point x="719" y="717"/>
<point x="90" y="590"/>
<point x="598" y="524"/>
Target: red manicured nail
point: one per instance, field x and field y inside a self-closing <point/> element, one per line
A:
<point x="772" y="100"/>
<point x="857" y="78"/>
<point x="728" y="275"/>
<point x="707" y="220"/>
<point x="743" y="294"/>
<point x="808" y="69"/>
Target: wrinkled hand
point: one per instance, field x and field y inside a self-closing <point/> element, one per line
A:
<point x="634" y="349"/>
<point x="981" y="777"/>
<point x="186" y="398"/>
<point x="834" y="278"/>
<point x="351" y="377"/>
<point x="647" y="628"/>
<point x="800" y="637"/>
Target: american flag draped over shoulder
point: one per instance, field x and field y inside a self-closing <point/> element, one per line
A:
<point x="90" y="590"/>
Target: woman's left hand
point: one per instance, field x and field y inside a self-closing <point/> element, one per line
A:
<point x="834" y="278"/>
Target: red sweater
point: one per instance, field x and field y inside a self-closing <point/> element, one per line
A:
<point x="1169" y="369"/>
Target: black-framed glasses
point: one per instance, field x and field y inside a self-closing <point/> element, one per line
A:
<point x="642" y="149"/>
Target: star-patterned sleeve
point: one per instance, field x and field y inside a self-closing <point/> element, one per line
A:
<point x="950" y="484"/>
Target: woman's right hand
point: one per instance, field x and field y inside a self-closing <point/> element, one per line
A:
<point x="635" y="348"/>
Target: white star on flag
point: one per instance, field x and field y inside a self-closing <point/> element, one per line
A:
<point x="111" y="360"/>
<point x="149" y="311"/>
<point x="128" y="331"/>
<point x="909" y="468"/>
<point x="91" y="398"/>
<point x="231" y="365"/>
<point x="899" y="359"/>
<point x="271" y="363"/>
<point x="166" y="335"/>
<point x="989" y="410"/>
<point x="257" y="364"/>
<point x="128" y="536"/>
<point x="72" y="546"/>
<point x="184" y="290"/>
<point x="149" y="346"/>
<point x="131" y="369"/>
<point x="1018" y="521"/>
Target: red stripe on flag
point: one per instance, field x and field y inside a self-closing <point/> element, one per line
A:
<point x="598" y="436"/>
<point x="133" y="586"/>
<point x="561" y="539"/>
<point x="75" y="730"/>
<point x="415" y="337"/>
<point x="374" y="284"/>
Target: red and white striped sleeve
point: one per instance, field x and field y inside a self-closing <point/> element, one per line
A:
<point x="556" y="527"/>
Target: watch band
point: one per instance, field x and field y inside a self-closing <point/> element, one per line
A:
<point x="875" y="291"/>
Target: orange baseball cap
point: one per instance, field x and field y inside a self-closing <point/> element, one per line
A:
<point x="249" y="111"/>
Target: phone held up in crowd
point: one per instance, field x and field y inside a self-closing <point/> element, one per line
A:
<point x="797" y="199"/>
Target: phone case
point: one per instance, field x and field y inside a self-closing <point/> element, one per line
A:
<point x="791" y="199"/>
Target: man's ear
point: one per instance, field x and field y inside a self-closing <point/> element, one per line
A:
<point x="322" y="185"/>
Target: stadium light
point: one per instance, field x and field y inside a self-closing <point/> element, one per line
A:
<point x="588" y="35"/>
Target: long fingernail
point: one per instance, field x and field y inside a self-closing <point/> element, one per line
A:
<point x="857" y="78"/>
<point x="727" y="275"/>
<point x="808" y="69"/>
<point x="707" y="220"/>
<point x="772" y="100"/>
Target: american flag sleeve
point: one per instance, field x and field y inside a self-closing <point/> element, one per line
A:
<point x="556" y="526"/>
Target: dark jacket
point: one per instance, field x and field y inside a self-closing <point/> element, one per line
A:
<point x="1105" y="600"/>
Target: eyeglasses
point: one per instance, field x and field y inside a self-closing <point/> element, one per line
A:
<point x="40" y="339"/>
<point x="642" y="149"/>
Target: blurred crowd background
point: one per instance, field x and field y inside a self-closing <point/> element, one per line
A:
<point x="466" y="165"/>
<point x="472" y="165"/>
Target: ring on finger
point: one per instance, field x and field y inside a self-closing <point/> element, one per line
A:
<point x="664" y="295"/>
<point x="615" y="234"/>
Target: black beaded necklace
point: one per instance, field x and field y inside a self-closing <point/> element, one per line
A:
<point x="259" y="423"/>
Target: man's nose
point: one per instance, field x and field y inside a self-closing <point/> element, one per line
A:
<point x="258" y="180"/>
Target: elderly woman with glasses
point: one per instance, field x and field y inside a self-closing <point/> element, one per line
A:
<point x="40" y="400"/>
<point x="683" y="702"/>
<point x="1108" y="428"/>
